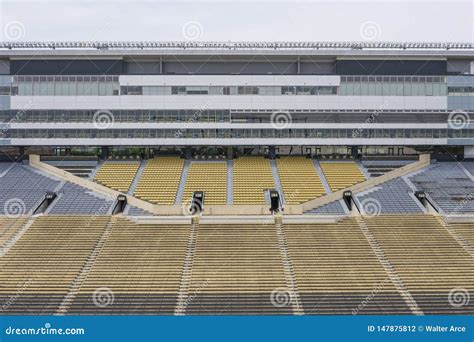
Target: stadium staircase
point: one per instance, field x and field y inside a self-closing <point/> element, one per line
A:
<point x="252" y="177"/>
<point x="230" y="181"/>
<point x="299" y="179"/>
<point x="12" y="229"/>
<point x="388" y="267"/>
<point x="137" y="178"/>
<point x="86" y="268"/>
<point x="40" y="267"/>
<point x="291" y="285"/>
<point x="336" y="270"/>
<point x="323" y="179"/>
<point x="117" y="175"/>
<point x="276" y="179"/>
<point x="457" y="232"/>
<point x="183" y="293"/>
<point x="341" y="175"/>
<point x="428" y="260"/>
<point x="138" y="271"/>
<point x="182" y="182"/>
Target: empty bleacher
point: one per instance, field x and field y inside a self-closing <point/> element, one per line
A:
<point x="427" y="259"/>
<point x="378" y="167"/>
<point x="9" y="227"/>
<point x="210" y="177"/>
<point x="465" y="230"/>
<point x="448" y="186"/>
<point x="75" y="200"/>
<point x="134" y="211"/>
<point x="252" y="177"/>
<point x="81" y="167"/>
<point x="332" y="208"/>
<point x="235" y="269"/>
<point x="341" y="175"/>
<point x="160" y="180"/>
<point x="336" y="271"/>
<point x="117" y="175"/>
<point x="141" y="265"/>
<point x="392" y="197"/>
<point x="39" y="269"/>
<point x="25" y="186"/>
<point x="299" y="179"/>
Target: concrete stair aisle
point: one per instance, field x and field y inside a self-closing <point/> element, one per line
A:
<point x="88" y="264"/>
<point x="182" y="182"/>
<point x="183" y="294"/>
<point x="230" y="181"/>
<point x="16" y="236"/>
<point x="276" y="178"/>
<point x="388" y="267"/>
<point x="321" y="176"/>
<point x="138" y="175"/>
<point x="290" y="278"/>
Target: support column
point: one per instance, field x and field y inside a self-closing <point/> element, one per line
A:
<point x="271" y="152"/>
<point x="104" y="152"/>
<point x="230" y="153"/>
<point x="188" y="152"/>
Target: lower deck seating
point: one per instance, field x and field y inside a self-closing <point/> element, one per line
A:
<point x="235" y="269"/>
<point x="75" y="200"/>
<point x="392" y="197"/>
<point x="210" y="177"/>
<point x="341" y="175"/>
<point x="299" y="179"/>
<point x="139" y="269"/>
<point x="428" y="260"/>
<point x="22" y="189"/>
<point x="134" y="211"/>
<point x="160" y="180"/>
<point x="466" y="230"/>
<point x="8" y="228"/>
<point x="448" y="186"/>
<point x="332" y="208"/>
<point x="40" y="268"/>
<point x="252" y="177"/>
<point x="336" y="271"/>
<point x="118" y="176"/>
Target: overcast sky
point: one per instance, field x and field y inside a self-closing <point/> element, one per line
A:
<point x="223" y="20"/>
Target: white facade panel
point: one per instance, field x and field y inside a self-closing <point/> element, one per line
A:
<point x="225" y="80"/>
<point x="224" y="142"/>
<point x="219" y="125"/>
<point x="233" y="102"/>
